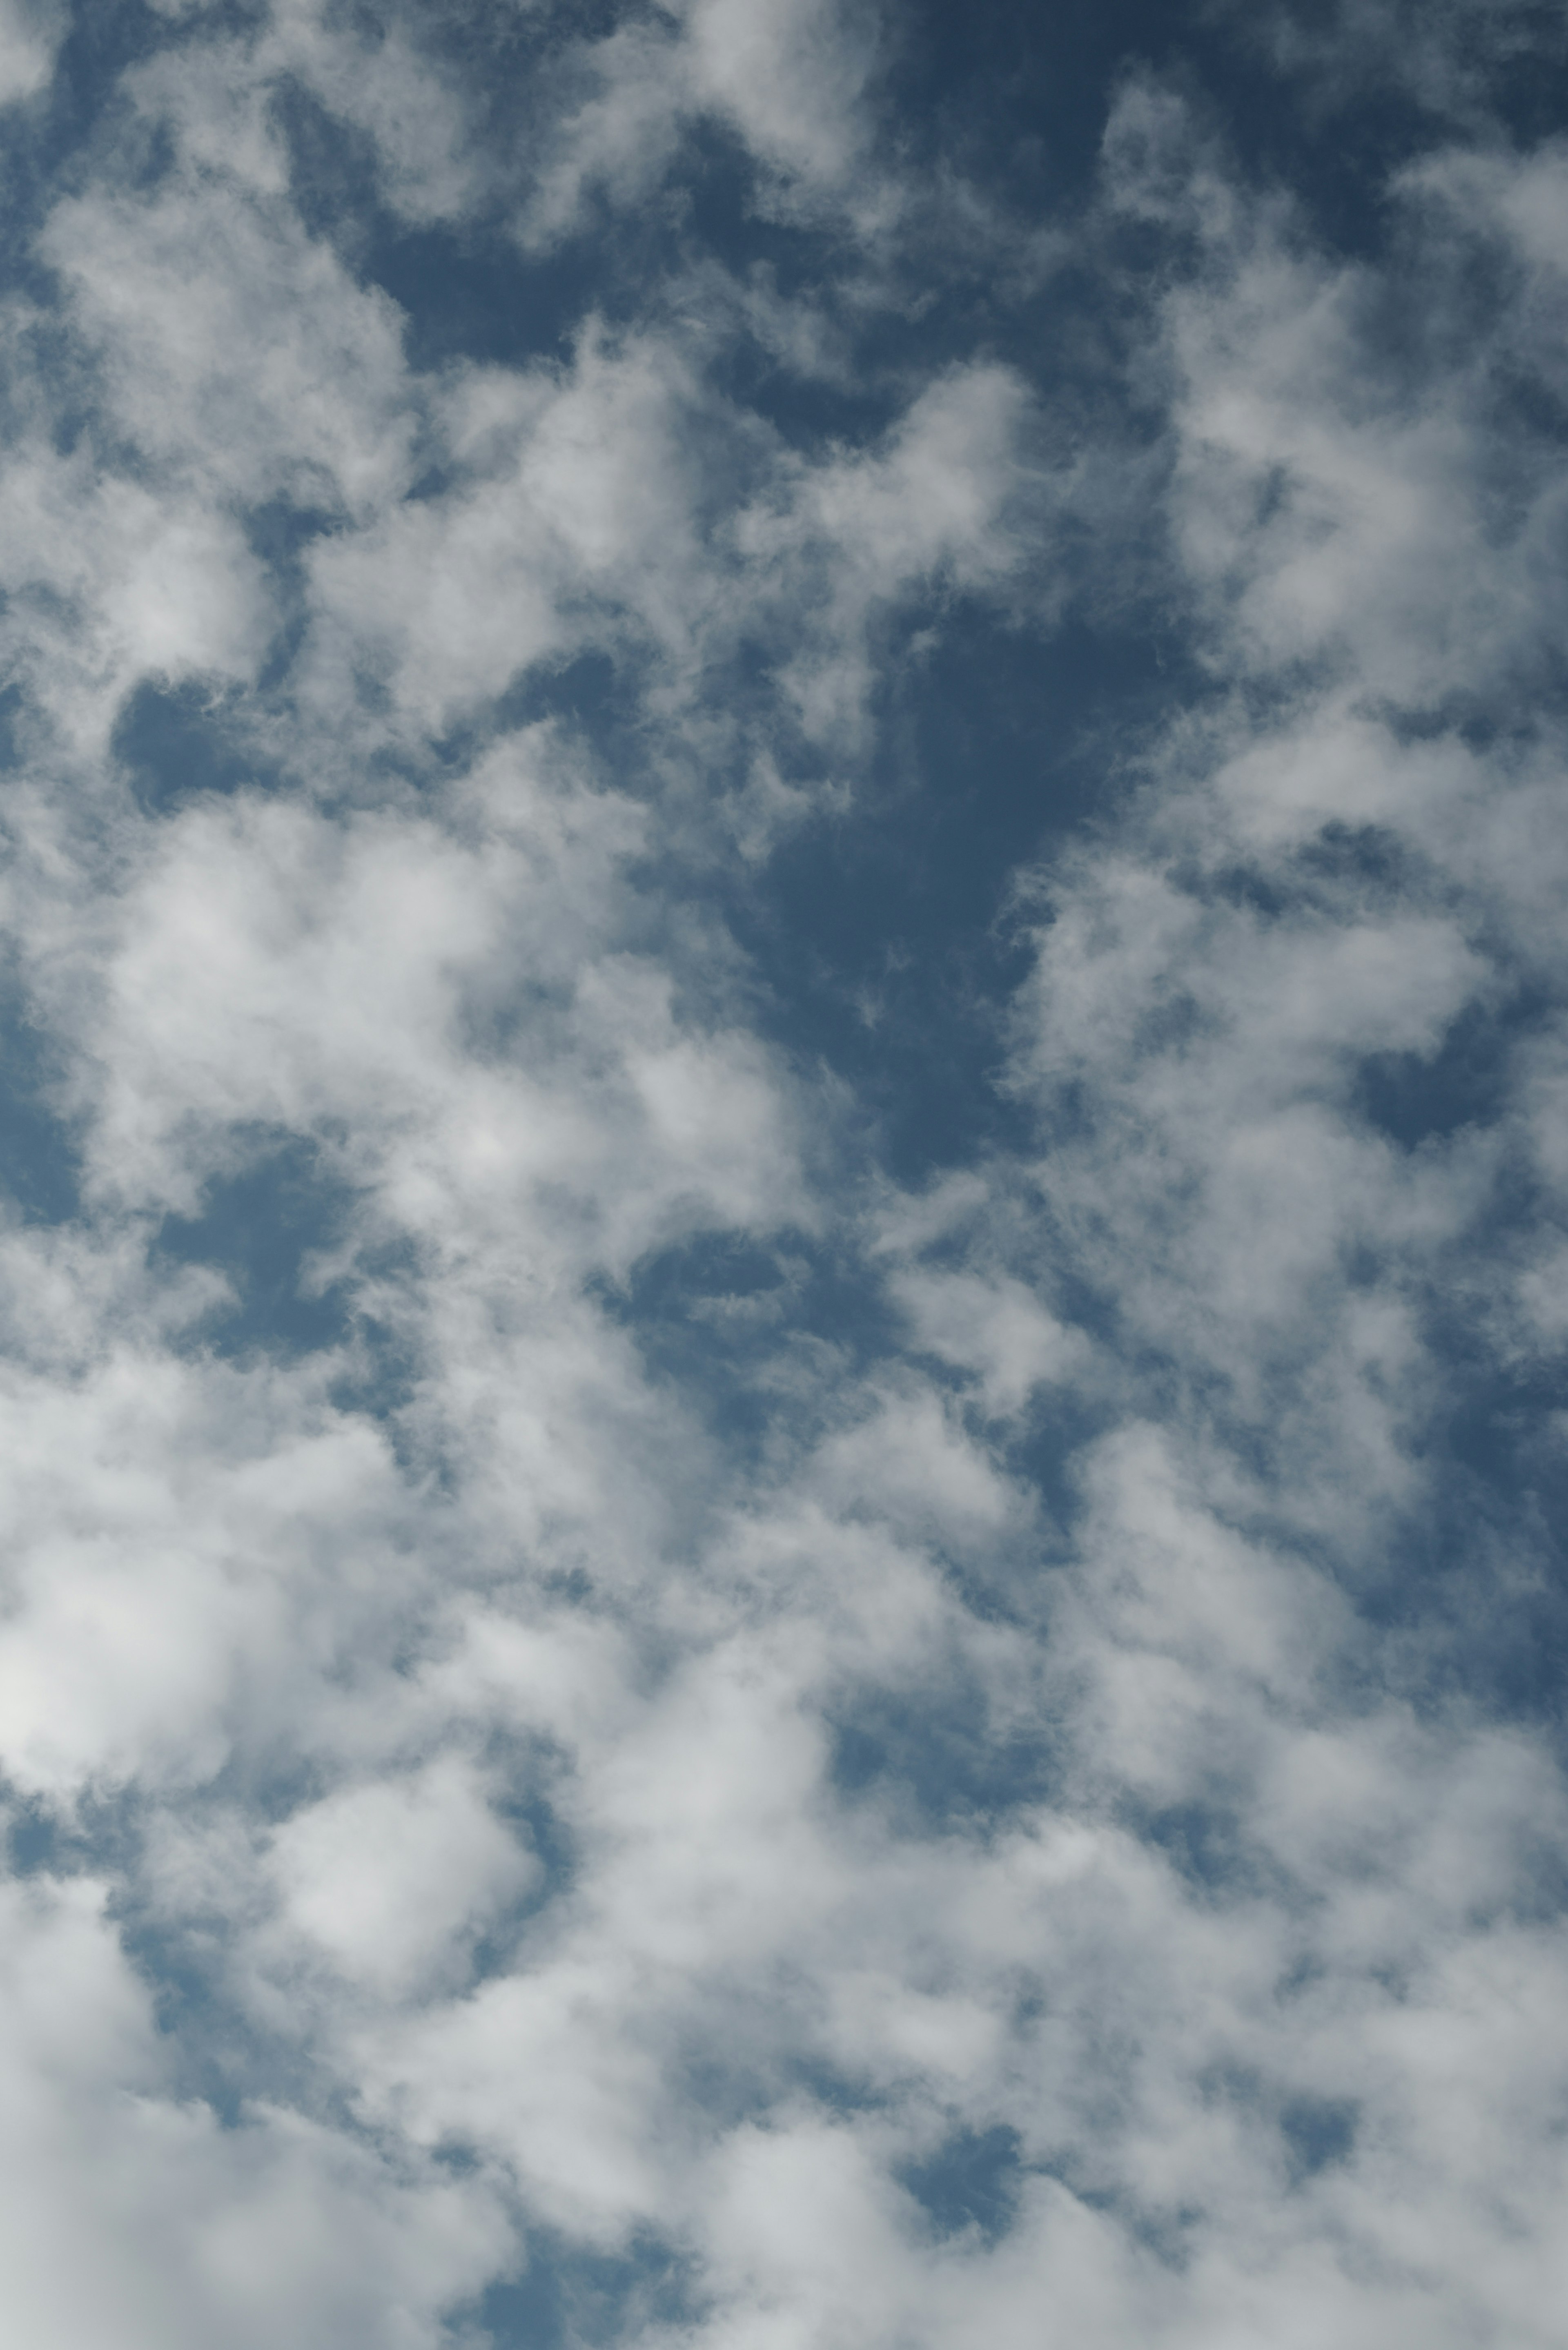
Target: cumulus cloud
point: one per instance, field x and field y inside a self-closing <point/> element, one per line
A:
<point x="622" y="1720"/>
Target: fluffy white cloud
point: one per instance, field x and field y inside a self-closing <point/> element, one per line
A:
<point x="233" y="343"/>
<point x="976" y="1813"/>
<point x="132" y="2211"/>
<point x="385" y="1877"/>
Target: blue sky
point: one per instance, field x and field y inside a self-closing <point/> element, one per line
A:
<point x="784" y="1251"/>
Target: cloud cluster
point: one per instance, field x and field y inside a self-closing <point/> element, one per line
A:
<point x="615" y="1726"/>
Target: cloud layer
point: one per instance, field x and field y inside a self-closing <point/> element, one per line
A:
<point x="627" y="1714"/>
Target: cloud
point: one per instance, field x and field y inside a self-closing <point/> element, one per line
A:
<point x="385" y="1877"/>
<point x="30" y="36"/>
<point x="229" y="340"/>
<point x="618" y="505"/>
<point x="617" y="1722"/>
<point x="194" y="2229"/>
<point x="1466" y="55"/>
<point x="997" y="1329"/>
<point x="788" y="80"/>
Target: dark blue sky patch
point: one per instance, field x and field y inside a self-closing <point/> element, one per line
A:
<point x="593" y="693"/>
<point x="743" y="2055"/>
<point x="1463" y="1590"/>
<point x="721" y="212"/>
<point x="1206" y="1842"/>
<point x="1365" y="856"/>
<point x="332" y="173"/>
<point x="474" y="291"/>
<point x="40" y="1165"/>
<point x="719" y="1315"/>
<point x="10" y="710"/>
<point x="269" y="1783"/>
<point x="971" y="2182"/>
<point x="567" y="2297"/>
<point x="1315" y="2133"/>
<point x="1475" y="1590"/>
<point x="1020" y="97"/>
<point x="217" y="2057"/>
<point x="807" y="408"/>
<point x="1048" y="1447"/>
<point x="259" y="1228"/>
<point x="1507" y="59"/>
<point x="81" y="107"/>
<point x="469" y="296"/>
<point x="595" y="698"/>
<point x="35" y="1841"/>
<point x="215" y="2049"/>
<point x="1532" y="410"/>
<point x="280" y="533"/>
<point x="176" y="742"/>
<point x="881" y="937"/>
<point x="1261" y="893"/>
<point x="1417" y="1098"/>
<point x="526" y="1807"/>
<point x="379" y="1373"/>
<point x="933" y="1756"/>
<point x="1318" y="2132"/>
<point x="214" y="2052"/>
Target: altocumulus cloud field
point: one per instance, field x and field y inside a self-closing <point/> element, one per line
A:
<point x="785" y="1249"/>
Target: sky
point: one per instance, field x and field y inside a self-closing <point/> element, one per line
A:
<point x="783" y="1174"/>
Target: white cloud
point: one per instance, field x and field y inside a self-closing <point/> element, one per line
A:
<point x="235" y="346"/>
<point x="196" y="2231"/>
<point x="619" y="135"/>
<point x="619" y="504"/>
<point x="385" y="1877"/>
<point x="875" y="1809"/>
<point x="787" y="77"/>
<point x="31" y="32"/>
<point x="993" y="1328"/>
<point x="169" y="1530"/>
<point x="110" y="584"/>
